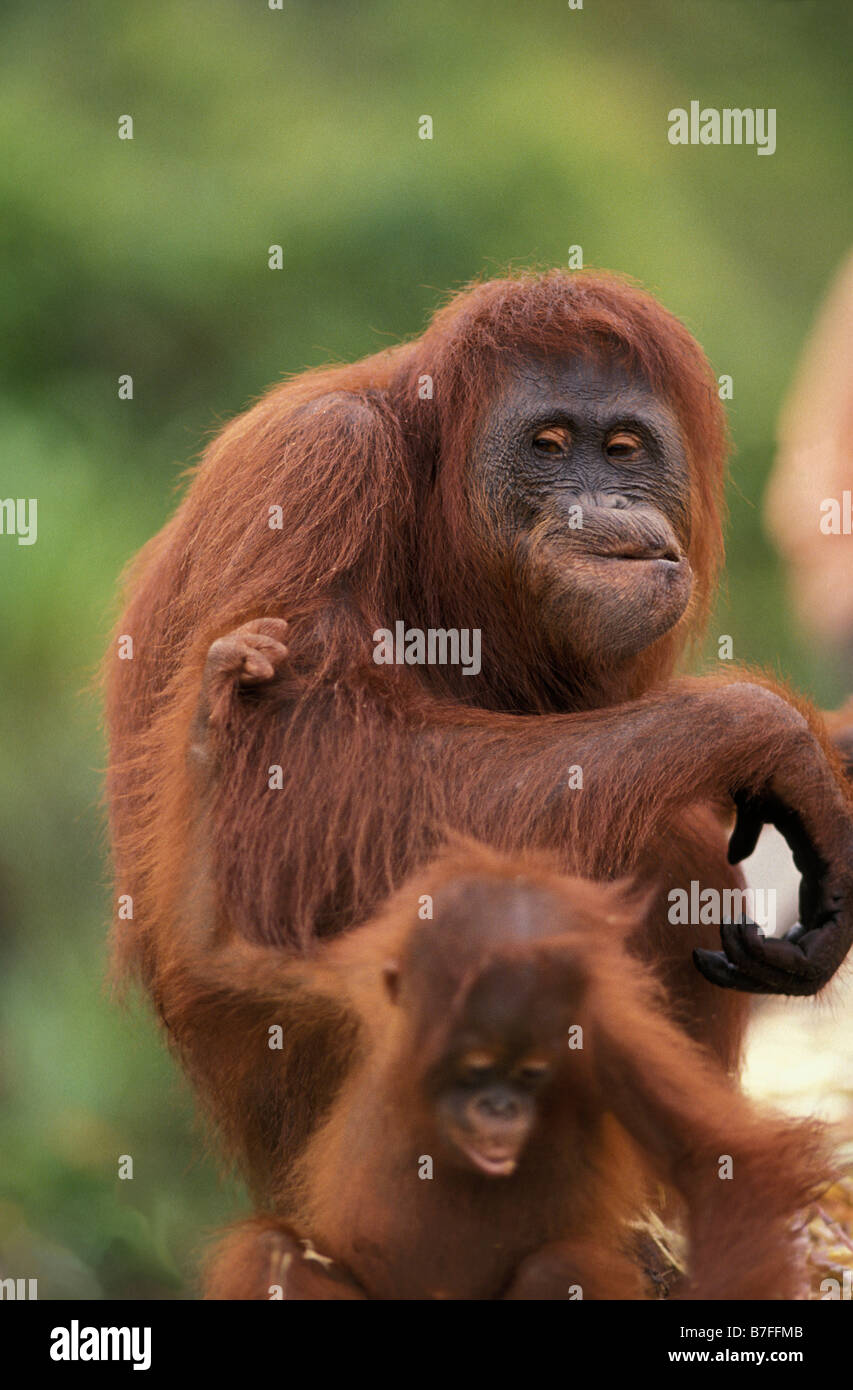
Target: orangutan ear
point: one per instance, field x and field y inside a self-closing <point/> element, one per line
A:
<point x="627" y="904"/>
<point x="391" y="979"/>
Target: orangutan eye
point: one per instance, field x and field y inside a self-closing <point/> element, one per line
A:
<point x="474" y="1065"/>
<point x="531" y="1071"/>
<point x="623" y="445"/>
<point x="553" y="441"/>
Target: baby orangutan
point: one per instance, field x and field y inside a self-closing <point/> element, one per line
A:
<point x="515" y="1093"/>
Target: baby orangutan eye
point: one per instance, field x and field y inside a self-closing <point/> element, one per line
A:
<point x="624" y="444"/>
<point x="552" y="441"/>
<point x="533" y="1070"/>
<point x="476" y="1064"/>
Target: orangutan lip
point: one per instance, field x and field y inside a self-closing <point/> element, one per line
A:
<point x="497" y="1165"/>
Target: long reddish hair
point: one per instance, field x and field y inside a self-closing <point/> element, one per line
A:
<point x="365" y="473"/>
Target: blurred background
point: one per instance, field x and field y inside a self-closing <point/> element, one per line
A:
<point x="299" y="127"/>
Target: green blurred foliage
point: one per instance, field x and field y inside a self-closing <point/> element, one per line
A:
<point x="149" y="256"/>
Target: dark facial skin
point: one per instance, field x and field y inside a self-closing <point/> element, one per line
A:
<point x="486" y="1067"/>
<point x="585" y="476"/>
<point x="487" y="1107"/>
<point x="505" y="1043"/>
<point x="486" y="1018"/>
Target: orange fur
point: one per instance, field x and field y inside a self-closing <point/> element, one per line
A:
<point x="234" y="885"/>
<point x="638" y="1105"/>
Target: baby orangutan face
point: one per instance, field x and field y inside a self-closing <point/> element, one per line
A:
<point x="492" y="1053"/>
<point x="487" y="1108"/>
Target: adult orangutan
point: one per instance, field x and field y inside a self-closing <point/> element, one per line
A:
<point x="543" y="465"/>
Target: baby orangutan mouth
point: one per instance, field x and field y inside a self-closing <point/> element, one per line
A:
<point x="492" y="1130"/>
<point x="500" y="1163"/>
